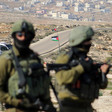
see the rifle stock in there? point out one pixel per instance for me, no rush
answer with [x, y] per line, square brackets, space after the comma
[57, 67]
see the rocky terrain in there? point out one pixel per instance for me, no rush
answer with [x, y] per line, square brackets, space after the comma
[101, 50]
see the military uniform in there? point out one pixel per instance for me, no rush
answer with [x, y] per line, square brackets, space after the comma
[78, 88]
[34, 93]
[7, 70]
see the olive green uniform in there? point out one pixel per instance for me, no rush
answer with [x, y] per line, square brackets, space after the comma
[79, 85]
[67, 79]
[7, 70]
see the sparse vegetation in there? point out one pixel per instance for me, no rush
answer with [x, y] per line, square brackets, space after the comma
[100, 49]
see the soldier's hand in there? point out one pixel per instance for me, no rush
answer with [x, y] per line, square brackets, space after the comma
[105, 68]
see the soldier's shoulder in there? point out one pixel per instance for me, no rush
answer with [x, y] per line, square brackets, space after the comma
[62, 58]
[5, 58]
[6, 55]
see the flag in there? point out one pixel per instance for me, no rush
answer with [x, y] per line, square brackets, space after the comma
[55, 38]
[54, 29]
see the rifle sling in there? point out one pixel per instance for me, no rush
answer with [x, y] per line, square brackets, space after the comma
[22, 80]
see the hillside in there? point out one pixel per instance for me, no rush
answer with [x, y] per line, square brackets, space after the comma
[101, 49]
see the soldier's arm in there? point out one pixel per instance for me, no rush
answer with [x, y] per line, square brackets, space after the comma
[70, 75]
[5, 67]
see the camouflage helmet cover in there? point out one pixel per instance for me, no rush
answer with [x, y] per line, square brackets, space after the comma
[80, 34]
[18, 27]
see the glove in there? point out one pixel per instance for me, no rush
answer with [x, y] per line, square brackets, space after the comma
[87, 64]
[49, 108]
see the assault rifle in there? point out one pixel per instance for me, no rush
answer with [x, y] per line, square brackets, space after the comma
[58, 67]
[53, 66]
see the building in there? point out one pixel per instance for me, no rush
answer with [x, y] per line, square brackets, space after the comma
[78, 9]
[65, 16]
[59, 4]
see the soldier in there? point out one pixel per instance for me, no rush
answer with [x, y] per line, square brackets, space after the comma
[79, 85]
[22, 87]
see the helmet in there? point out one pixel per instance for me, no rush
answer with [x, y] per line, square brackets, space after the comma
[80, 34]
[23, 25]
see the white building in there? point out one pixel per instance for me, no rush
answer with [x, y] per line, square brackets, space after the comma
[107, 10]
[87, 5]
[1, 6]
[101, 2]
[86, 9]
[59, 4]
[109, 1]
[16, 9]
[76, 4]
[30, 2]
[65, 16]
[78, 9]
[82, 1]
[53, 14]
[97, 6]
[70, 1]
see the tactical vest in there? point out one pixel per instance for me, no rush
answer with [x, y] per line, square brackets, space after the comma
[86, 87]
[36, 79]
